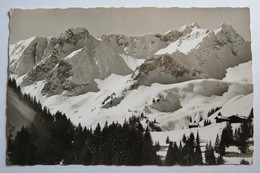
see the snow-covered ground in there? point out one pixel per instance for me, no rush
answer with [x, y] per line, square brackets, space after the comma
[16, 50]
[183, 100]
[207, 134]
[132, 62]
[240, 73]
[237, 160]
[186, 44]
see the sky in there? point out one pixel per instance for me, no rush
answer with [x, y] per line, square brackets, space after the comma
[25, 23]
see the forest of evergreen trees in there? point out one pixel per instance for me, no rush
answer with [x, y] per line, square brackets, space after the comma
[53, 139]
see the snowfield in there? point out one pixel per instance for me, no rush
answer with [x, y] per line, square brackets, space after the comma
[240, 73]
[186, 44]
[16, 50]
[177, 102]
[132, 62]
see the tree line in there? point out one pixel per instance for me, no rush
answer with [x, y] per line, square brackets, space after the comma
[53, 139]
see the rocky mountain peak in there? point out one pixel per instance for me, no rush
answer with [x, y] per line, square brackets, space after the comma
[90, 59]
[73, 35]
[227, 33]
[194, 25]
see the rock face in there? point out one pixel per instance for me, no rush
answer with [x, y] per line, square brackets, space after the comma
[26, 54]
[70, 63]
[197, 53]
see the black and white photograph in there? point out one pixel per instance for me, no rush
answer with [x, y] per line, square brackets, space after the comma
[130, 86]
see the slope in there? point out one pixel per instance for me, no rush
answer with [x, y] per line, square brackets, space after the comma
[68, 64]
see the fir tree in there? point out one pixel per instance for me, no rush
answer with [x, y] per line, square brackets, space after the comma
[198, 153]
[222, 144]
[157, 146]
[217, 144]
[229, 135]
[149, 155]
[209, 155]
[168, 140]
[184, 139]
[243, 138]
[190, 150]
[169, 155]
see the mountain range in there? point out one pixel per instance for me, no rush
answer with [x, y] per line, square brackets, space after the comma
[173, 78]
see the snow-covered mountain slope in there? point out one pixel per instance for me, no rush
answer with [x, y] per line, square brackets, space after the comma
[68, 64]
[240, 73]
[145, 46]
[171, 77]
[193, 36]
[199, 53]
[25, 54]
[132, 62]
[173, 107]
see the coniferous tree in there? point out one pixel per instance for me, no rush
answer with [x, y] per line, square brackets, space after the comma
[229, 135]
[188, 150]
[149, 155]
[173, 154]
[168, 140]
[184, 139]
[243, 136]
[176, 154]
[198, 153]
[157, 146]
[209, 155]
[217, 144]
[184, 151]
[227, 139]
[169, 155]
[237, 136]
[97, 145]
[245, 128]
[222, 144]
